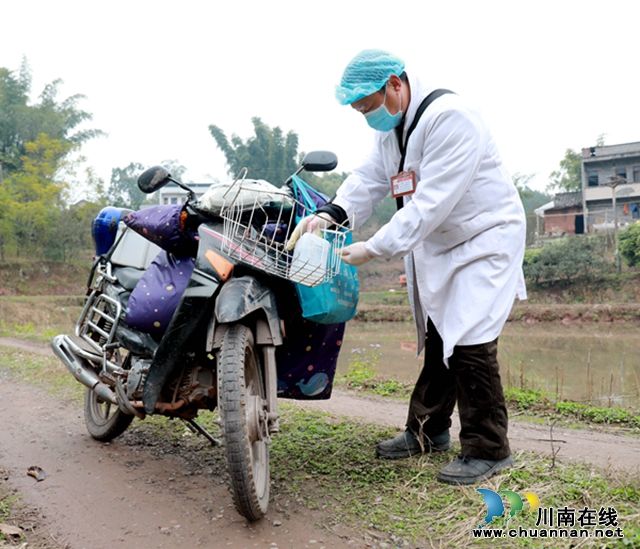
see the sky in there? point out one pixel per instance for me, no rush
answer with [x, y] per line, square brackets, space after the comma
[547, 76]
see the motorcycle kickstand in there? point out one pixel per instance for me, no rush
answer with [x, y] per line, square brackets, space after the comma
[200, 430]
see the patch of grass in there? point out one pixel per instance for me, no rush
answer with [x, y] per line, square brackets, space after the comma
[6, 502]
[38, 318]
[361, 375]
[544, 405]
[525, 399]
[46, 372]
[609, 416]
[397, 297]
[392, 387]
[362, 366]
[46, 278]
[27, 329]
[330, 462]
[7, 512]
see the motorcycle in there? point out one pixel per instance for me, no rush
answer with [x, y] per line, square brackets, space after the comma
[219, 348]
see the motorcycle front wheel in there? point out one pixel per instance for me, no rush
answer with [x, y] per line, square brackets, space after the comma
[242, 408]
[104, 421]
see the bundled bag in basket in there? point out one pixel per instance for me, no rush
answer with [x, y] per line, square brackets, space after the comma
[330, 302]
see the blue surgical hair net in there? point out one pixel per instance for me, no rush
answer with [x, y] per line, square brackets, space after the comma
[366, 73]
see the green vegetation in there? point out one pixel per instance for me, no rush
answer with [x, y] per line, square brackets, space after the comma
[567, 260]
[569, 177]
[361, 375]
[8, 505]
[384, 305]
[38, 318]
[22, 123]
[403, 499]
[593, 414]
[629, 244]
[36, 173]
[527, 403]
[269, 154]
[542, 405]
[44, 371]
[385, 298]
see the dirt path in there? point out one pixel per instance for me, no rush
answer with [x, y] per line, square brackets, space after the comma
[127, 494]
[131, 494]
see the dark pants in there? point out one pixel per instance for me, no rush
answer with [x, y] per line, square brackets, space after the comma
[473, 379]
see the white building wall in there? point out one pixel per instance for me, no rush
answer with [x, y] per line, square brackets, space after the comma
[172, 194]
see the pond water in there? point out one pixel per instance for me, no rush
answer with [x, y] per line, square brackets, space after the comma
[596, 363]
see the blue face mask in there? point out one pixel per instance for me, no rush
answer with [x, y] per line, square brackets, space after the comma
[381, 119]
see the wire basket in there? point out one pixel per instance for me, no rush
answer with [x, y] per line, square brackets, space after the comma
[256, 226]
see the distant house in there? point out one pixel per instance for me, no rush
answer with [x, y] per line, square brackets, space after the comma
[563, 215]
[172, 194]
[607, 170]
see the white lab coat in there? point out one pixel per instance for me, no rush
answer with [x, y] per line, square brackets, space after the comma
[463, 228]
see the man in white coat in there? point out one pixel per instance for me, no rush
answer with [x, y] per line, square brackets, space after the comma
[460, 227]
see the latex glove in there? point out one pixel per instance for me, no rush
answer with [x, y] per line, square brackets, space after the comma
[356, 254]
[309, 224]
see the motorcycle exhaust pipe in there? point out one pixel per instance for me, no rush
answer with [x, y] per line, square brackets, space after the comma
[80, 370]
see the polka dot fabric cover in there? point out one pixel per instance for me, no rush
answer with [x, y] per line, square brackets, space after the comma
[161, 225]
[308, 360]
[156, 296]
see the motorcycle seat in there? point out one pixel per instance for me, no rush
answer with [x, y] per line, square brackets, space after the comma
[128, 276]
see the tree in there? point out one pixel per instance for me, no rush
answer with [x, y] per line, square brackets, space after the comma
[521, 182]
[21, 122]
[569, 177]
[176, 169]
[269, 154]
[7, 235]
[70, 234]
[326, 183]
[32, 197]
[123, 191]
[530, 198]
[629, 244]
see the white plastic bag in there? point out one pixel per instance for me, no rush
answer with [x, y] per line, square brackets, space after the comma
[246, 194]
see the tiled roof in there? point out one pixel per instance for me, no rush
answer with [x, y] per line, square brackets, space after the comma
[567, 200]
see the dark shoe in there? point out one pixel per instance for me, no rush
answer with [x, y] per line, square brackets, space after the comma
[407, 444]
[468, 470]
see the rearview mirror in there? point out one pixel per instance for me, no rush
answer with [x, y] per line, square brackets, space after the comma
[319, 161]
[153, 179]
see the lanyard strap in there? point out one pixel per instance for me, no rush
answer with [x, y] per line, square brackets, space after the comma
[403, 145]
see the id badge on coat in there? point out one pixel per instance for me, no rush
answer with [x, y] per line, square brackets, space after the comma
[402, 184]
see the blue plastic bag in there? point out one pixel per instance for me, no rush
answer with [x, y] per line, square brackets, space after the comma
[334, 301]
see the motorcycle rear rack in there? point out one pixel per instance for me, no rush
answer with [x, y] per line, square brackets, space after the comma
[98, 319]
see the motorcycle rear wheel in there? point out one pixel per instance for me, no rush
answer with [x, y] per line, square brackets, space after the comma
[242, 408]
[104, 421]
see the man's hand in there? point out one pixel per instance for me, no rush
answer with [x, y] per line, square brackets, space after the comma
[309, 224]
[356, 254]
